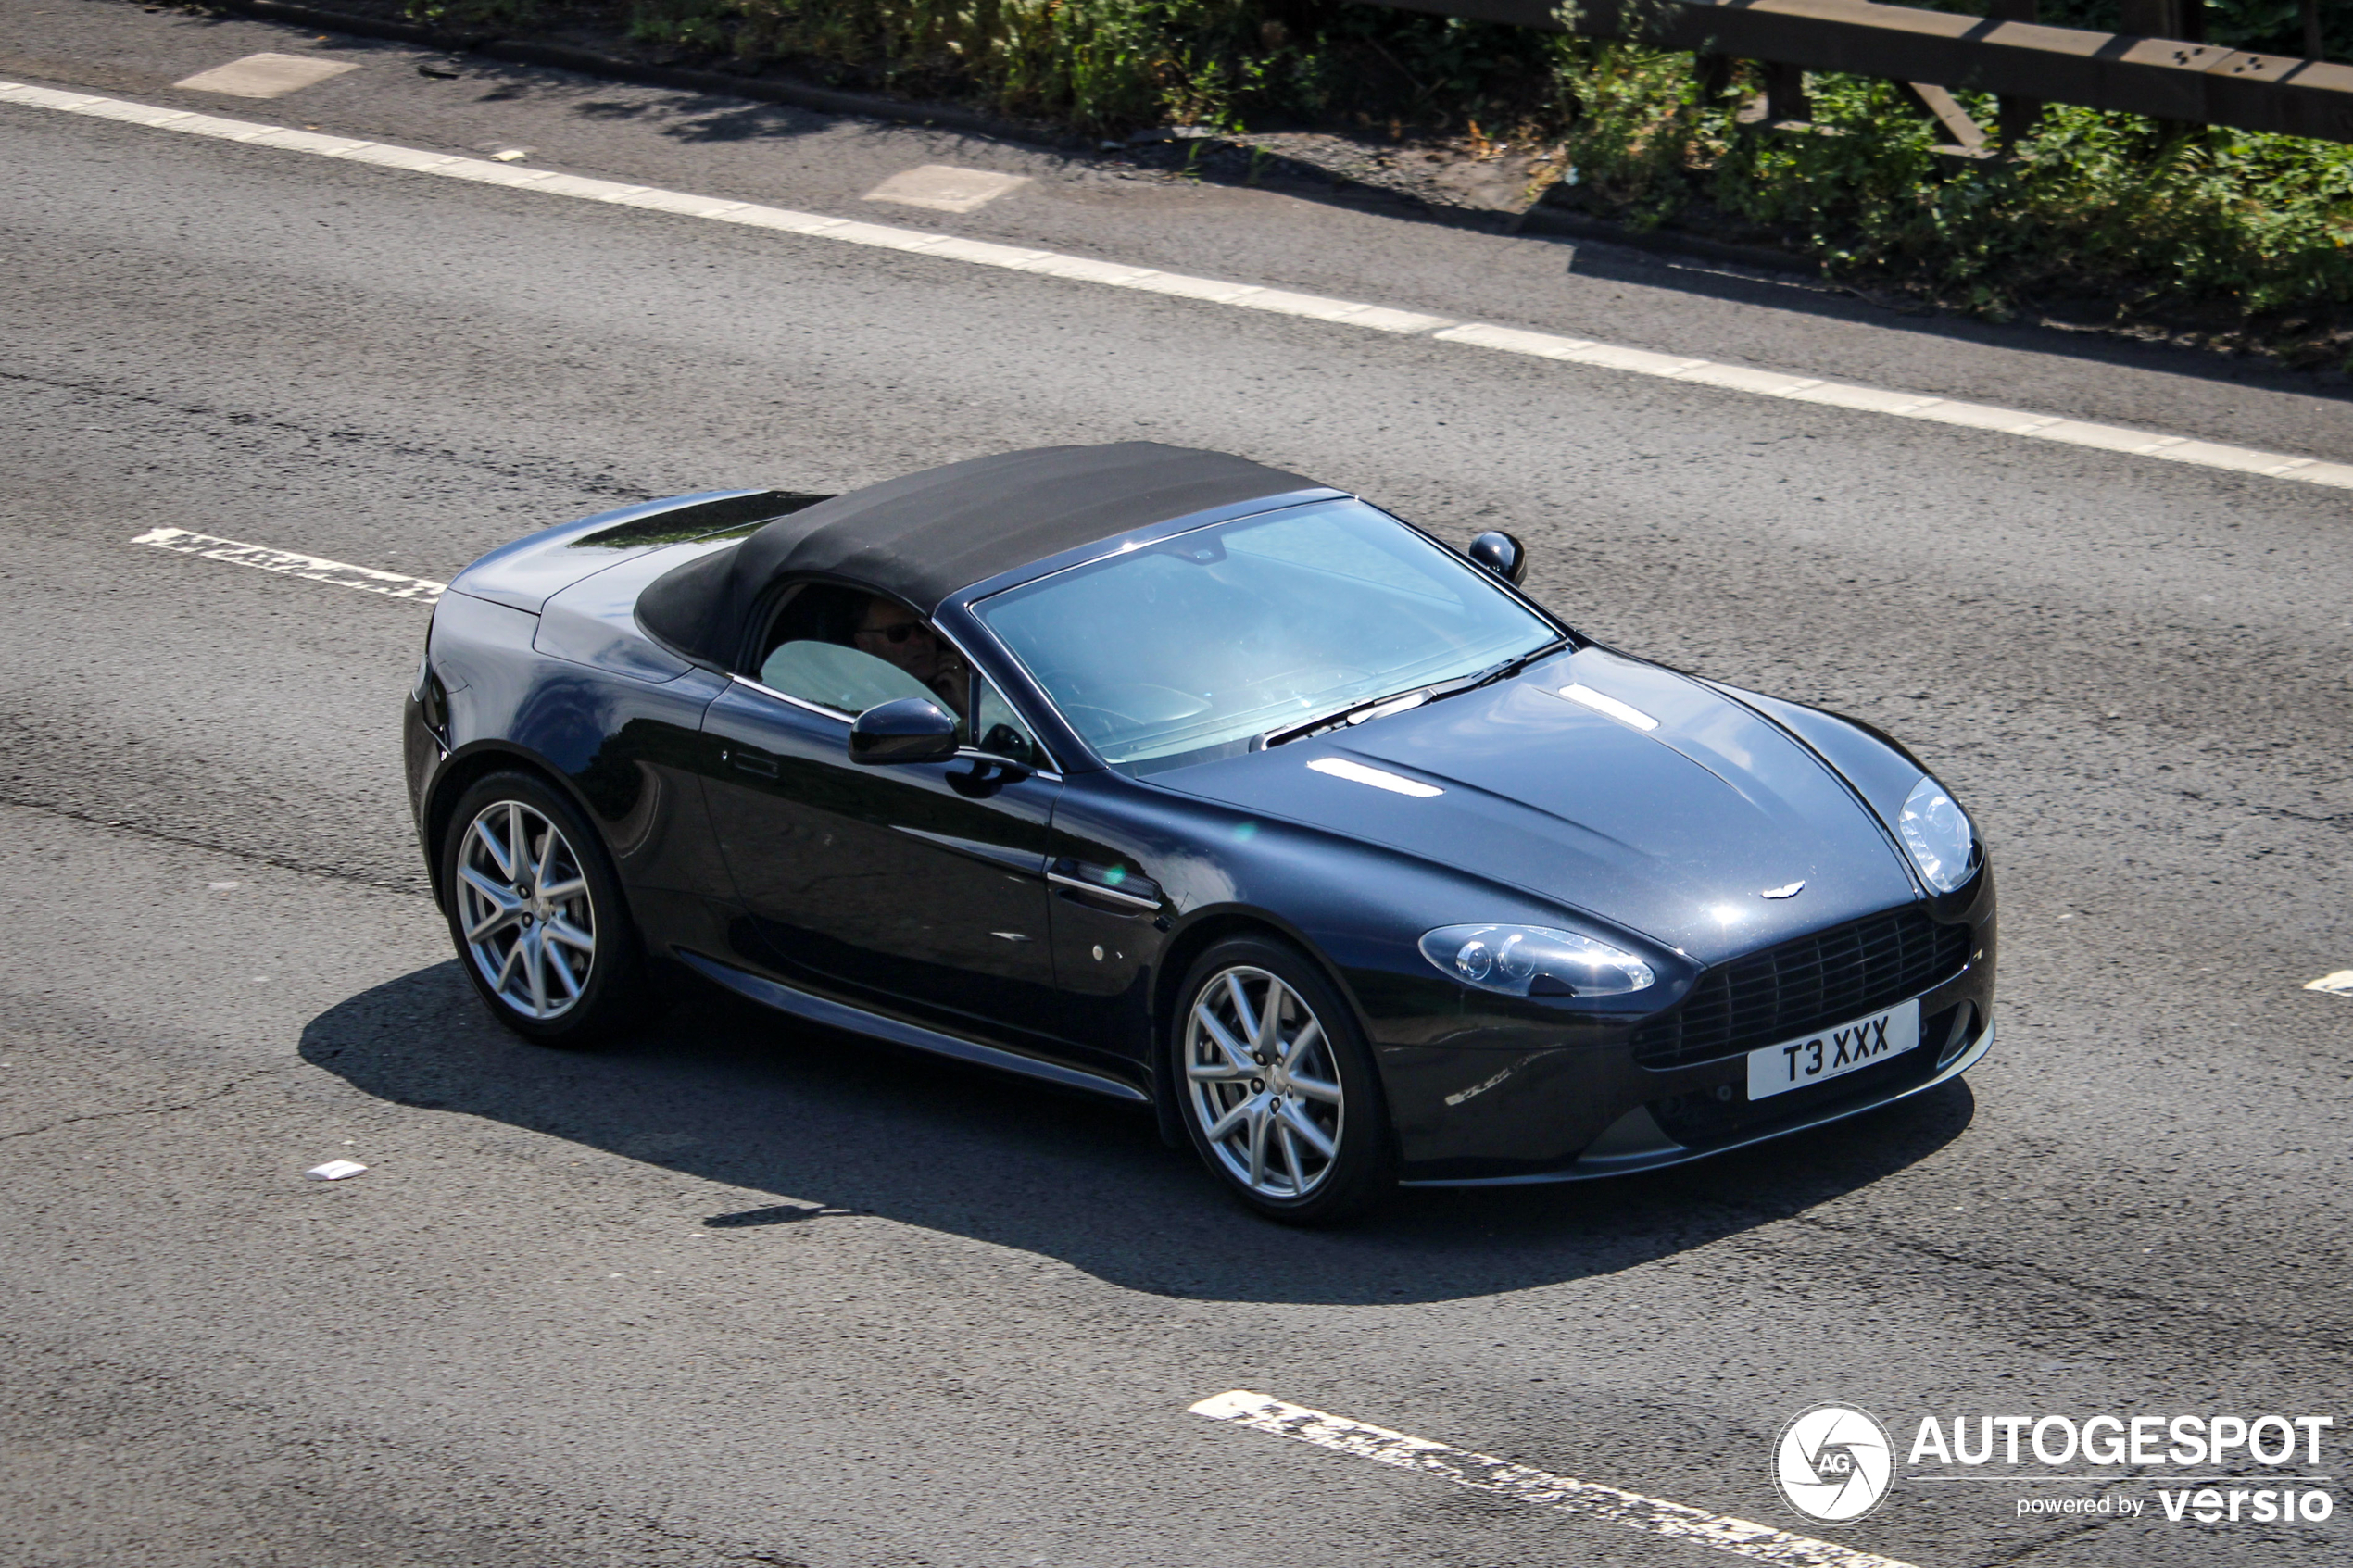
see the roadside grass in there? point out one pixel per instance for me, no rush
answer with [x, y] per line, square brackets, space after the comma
[2233, 238]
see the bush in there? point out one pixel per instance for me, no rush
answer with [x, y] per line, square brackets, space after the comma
[2095, 200]
[1112, 65]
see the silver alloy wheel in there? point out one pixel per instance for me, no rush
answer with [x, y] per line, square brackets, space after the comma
[1263, 1081]
[524, 904]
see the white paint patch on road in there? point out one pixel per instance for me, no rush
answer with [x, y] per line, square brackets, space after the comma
[2338, 984]
[265, 76]
[1520, 1483]
[945, 188]
[316, 569]
[1742, 379]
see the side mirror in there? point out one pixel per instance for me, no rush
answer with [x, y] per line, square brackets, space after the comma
[1501, 554]
[909, 730]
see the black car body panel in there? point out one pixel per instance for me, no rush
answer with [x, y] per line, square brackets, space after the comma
[522, 574]
[1675, 830]
[1039, 918]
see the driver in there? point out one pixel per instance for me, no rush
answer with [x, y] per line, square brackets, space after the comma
[896, 634]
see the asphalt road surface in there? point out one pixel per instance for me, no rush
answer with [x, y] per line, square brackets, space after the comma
[745, 1293]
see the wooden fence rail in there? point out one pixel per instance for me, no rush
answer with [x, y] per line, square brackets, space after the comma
[2167, 79]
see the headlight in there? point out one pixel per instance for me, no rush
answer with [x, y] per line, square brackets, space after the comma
[1938, 834]
[1534, 960]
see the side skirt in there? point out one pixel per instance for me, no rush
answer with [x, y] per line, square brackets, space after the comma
[858, 1020]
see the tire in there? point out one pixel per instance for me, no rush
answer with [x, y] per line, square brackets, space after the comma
[1293, 1122]
[589, 981]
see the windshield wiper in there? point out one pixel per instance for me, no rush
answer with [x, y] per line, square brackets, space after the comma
[1495, 673]
[1354, 713]
[1413, 696]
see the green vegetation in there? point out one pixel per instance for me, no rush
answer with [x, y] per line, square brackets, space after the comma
[1114, 65]
[2231, 228]
[2249, 226]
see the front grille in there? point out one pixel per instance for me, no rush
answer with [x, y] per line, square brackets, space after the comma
[1698, 1118]
[1829, 977]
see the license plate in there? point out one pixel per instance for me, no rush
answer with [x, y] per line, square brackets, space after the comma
[1830, 1053]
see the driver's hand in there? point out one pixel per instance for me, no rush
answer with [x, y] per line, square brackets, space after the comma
[953, 679]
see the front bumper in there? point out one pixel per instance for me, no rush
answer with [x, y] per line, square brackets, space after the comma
[1526, 1097]
[1637, 1142]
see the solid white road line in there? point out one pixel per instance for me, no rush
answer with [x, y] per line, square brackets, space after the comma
[1354, 313]
[1520, 1483]
[367, 579]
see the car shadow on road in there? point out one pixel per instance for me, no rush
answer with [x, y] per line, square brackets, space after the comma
[833, 1125]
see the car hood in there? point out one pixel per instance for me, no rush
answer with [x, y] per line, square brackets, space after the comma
[1677, 831]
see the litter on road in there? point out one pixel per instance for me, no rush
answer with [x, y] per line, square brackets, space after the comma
[335, 1170]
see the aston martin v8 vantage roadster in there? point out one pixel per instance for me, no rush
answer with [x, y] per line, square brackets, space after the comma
[1162, 775]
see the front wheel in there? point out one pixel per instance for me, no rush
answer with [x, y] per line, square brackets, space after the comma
[1277, 1086]
[537, 915]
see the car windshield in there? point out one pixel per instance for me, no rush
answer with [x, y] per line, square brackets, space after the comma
[1190, 648]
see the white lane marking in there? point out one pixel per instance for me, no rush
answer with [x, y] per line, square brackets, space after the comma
[367, 579]
[1356, 773]
[1601, 702]
[944, 187]
[1521, 1483]
[2340, 984]
[265, 76]
[1346, 312]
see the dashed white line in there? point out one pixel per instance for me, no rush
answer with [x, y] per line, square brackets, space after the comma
[1520, 1483]
[291, 563]
[1344, 312]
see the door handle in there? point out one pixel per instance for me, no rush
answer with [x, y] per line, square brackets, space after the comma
[750, 761]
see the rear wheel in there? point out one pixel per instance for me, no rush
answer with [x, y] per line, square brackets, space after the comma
[1277, 1085]
[537, 915]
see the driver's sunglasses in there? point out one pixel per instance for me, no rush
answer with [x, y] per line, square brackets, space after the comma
[898, 634]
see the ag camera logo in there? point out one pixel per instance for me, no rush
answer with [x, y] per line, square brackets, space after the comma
[1833, 1462]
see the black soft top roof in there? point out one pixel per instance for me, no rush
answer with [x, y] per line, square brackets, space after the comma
[922, 538]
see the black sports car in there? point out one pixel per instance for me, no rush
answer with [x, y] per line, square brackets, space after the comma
[1164, 775]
